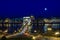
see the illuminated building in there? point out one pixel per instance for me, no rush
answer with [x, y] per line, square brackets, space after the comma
[1, 25]
[30, 25]
[17, 24]
[34, 26]
[56, 24]
[1, 22]
[40, 25]
[7, 22]
[28, 21]
[47, 25]
[51, 26]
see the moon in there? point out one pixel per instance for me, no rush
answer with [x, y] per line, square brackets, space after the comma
[45, 9]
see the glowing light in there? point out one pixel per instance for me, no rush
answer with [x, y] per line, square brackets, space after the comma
[24, 24]
[49, 28]
[33, 37]
[35, 31]
[46, 20]
[6, 20]
[57, 33]
[26, 17]
[32, 16]
[15, 31]
[45, 9]
[5, 31]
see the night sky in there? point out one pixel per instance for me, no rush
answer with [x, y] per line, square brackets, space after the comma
[16, 8]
